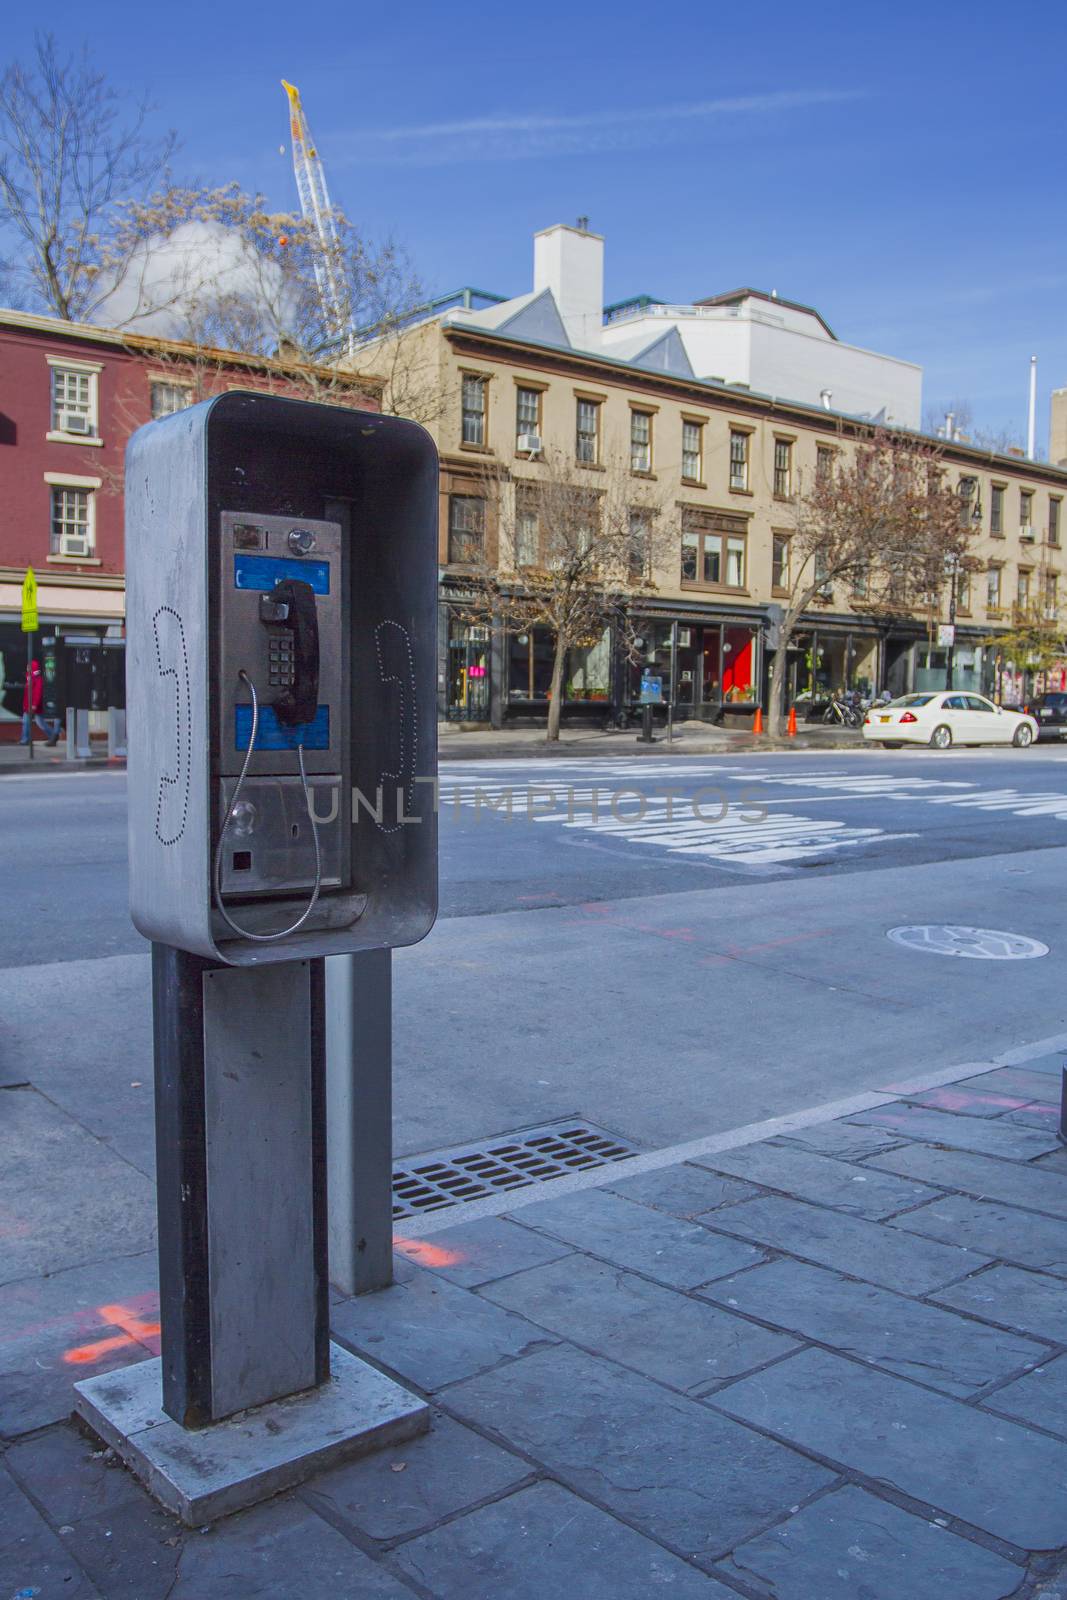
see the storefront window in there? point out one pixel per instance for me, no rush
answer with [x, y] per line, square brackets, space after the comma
[589, 670]
[738, 665]
[530, 658]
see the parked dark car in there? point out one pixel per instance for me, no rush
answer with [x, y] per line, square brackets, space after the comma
[1050, 713]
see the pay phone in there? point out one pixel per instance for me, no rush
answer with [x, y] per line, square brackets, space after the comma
[280, 731]
[281, 619]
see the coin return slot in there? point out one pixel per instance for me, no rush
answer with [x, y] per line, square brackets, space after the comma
[242, 861]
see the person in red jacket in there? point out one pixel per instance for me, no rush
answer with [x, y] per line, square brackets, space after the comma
[32, 698]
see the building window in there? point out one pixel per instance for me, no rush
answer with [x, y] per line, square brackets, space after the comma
[861, 582]
[72, 522]
[640, 545]
[824, 463]
[713, 549]
[693, 452]
[473, 410]
[992, 595]
[466, 528]
[821, 574]
[779, 561]
[1026, 514]
[996, 509]
[169, 397]
[738, 459]
[1052, 595]
[1022, 588]
[963, 591]
[528, 417]
[1054, 520]
[74, 402]
[640, 441]
[783, 468]
[587, 443]
[970, 505]
[527, 539]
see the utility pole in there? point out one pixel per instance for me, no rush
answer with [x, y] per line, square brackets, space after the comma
[950, 658]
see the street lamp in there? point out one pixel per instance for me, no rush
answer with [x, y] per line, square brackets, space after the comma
[953, 564]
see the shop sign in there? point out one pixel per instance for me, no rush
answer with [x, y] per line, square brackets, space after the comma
[946, 633]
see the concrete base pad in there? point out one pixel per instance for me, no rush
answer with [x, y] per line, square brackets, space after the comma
[206, 1473]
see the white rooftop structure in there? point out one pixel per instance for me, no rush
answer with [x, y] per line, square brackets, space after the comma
[746, 339]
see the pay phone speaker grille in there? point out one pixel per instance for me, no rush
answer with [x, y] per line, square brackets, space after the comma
[514, 1161]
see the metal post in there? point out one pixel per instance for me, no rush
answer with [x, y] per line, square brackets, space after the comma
[241, 1192]
[674, 681]
[29, 680]
[950, 658]
[359, 1100]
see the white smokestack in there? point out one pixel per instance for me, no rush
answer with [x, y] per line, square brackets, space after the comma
[1031, 422]
[570, 262]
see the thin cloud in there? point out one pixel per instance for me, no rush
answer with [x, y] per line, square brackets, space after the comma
[434, 143]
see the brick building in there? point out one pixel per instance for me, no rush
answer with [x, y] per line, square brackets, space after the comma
[70, 396]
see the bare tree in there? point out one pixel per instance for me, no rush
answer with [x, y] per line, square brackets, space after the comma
[885, 522]
[1037, 637]
[570, 555]
[1001, 441]
[67, 156]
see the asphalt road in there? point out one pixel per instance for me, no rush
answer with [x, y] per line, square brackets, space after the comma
[666, 965]
[518, 835]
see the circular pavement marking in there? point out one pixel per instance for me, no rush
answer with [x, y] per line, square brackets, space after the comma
[977, 944]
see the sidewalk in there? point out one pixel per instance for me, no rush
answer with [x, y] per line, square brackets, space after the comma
[690, 738]
[15, 758]
[817, 1359]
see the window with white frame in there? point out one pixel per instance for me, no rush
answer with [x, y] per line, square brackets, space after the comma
[780, 561]
[693, 452]
[169, 397]
[992, 592]
[640, 441]
[735, 563]
[587, 440]
[527, 415]
[466, 528]
[473, 410]
[527, 538]
[1026, 513]
[639, 552]
[72, 531]
[963, 591]
[1022, 588]
[783, 468]
[738, 459]
[74, 402]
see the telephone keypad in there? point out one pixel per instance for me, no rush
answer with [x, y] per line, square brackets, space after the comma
[281, 661]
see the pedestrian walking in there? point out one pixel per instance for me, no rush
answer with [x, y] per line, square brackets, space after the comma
[32, 700]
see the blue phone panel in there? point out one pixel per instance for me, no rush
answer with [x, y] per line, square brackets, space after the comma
[263, 572]
[274, 735]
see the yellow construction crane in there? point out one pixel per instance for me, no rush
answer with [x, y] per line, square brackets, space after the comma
[317, 210]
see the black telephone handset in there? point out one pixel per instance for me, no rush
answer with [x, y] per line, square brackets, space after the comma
[291, 605]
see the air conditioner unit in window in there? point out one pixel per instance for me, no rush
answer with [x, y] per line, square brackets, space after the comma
[530, 442]
[478, 635]
[72, 545]
[74, 422]
[1026, 532]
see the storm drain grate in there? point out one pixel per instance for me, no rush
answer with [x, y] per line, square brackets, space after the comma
[536, 1155]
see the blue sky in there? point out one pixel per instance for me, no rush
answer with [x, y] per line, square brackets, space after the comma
[902, 168]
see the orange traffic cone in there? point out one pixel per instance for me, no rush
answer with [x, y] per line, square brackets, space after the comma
[791, 730]
[757, 721]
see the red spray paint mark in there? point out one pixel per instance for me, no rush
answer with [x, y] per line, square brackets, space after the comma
[135, 1328]
[428, 1255]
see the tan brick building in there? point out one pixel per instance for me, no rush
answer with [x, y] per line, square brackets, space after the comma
[504, 381]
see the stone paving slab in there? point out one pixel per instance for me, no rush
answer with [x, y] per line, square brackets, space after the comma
[70, 1477]
[1038, 1114]
[1040, 1397]
[666, 1335]
[677, 1470]
[473, 1253]
[993, 1230]
[843, 1139]
[431, 1331]
[58, 1329]
[980, 1176]
[408, 1488]
[1054, 1062]
[33, 1558]
[1018, 1082]
[869, 1250]
[822, 1179]
[677, 1253]
[1014, 1298]
[992, 1474]
[998, 1138]
[682, 1191]
[969, 1102]
[545, 1541]
[902, 1336]
[850, 1546]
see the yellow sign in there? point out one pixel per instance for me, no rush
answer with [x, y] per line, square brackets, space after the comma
[29, 602]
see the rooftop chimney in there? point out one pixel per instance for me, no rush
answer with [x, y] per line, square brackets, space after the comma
[570, 262]
[826, 396]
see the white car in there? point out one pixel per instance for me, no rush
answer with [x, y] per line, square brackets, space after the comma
[942, 720]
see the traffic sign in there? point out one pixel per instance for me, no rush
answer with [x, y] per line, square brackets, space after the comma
[29, 602]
